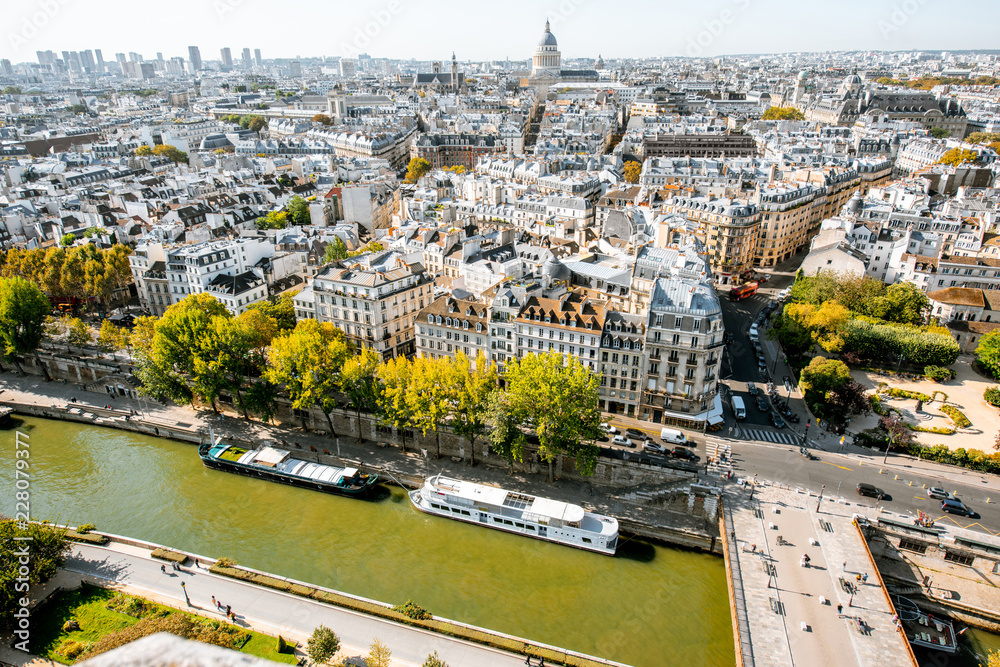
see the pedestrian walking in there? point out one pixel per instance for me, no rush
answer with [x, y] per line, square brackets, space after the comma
[163, 569]
[229, 610]
[840, 609]
[215, 602]
[843, 568]
[864, 579]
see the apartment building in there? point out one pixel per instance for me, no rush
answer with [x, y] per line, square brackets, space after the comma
[455, 149]
[684, 343]
[622, 359]
[374, 299]
[569, 324]
[447, 326]
[790, 216]
[730, 228]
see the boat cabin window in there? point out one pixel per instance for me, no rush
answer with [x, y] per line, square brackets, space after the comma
[586, 540]
[573, 524]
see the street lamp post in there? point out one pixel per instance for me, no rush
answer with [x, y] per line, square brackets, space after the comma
[888, 444]
[187, 600]
[820, 500]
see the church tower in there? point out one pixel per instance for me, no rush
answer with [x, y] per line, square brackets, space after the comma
[455, 84]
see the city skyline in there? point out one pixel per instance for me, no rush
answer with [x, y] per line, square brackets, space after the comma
[432, 31]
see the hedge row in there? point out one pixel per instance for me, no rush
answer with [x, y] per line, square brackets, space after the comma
[957, 416]
[168, 555]
[442, 627]
[973, 459]
[879, 341]
[88, 538]
[906, 393]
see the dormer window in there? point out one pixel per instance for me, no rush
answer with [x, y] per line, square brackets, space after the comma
[548, 319]
[439, 319]
[430, 319]
[448, 322]
[465, 324]
[479, 326]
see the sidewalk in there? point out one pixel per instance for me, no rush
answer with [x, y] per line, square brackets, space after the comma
[792, 610]
[262, 609]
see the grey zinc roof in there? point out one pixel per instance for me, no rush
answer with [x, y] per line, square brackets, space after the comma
[685, 294]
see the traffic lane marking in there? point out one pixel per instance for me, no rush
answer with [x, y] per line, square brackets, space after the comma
[838, 466]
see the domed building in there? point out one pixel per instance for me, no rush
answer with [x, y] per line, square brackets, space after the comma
[547, 60]
[546, 65]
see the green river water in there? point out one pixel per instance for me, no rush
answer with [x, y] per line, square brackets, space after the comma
[648, 606]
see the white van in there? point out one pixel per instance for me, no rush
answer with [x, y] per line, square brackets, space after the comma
[739, 409]
[673, 436]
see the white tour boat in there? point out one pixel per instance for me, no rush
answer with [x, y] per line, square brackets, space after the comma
[541, 518]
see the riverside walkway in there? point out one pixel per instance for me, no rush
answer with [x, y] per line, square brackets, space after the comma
[130, 568]
[791, 611]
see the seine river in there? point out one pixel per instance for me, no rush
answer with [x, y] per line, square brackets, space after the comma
[648, 606]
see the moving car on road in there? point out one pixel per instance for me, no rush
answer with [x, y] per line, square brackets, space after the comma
[654, 448]
[636, 434]
[623, 441]
[955, 506]
[762, 404]
[608, 428]
[777, 421]
[752, 389]
[870, 491]
[682, 453]
[940, 494]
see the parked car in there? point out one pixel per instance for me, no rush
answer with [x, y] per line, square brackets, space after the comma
[752, 388]
[790, 416]
[730, 337]
[940, 494]
[762, 365]
[623, 441]
[870, 490]
[654, 448]
[681, 453]
[955, 506]
[608, 428]
[636, 434]
[777, 421]
[762, 404]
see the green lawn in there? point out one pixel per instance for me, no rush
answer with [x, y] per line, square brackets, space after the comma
[88, 606]
[232, 454]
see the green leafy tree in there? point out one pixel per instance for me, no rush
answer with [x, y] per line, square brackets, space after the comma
[559, 397]
[359, 381]
[846, 400]
[23, 309]
[253, 122]
[279, 308]
[782, 113]
[143, 151]
[632, 171]
[273, 220]
[336, 250]
[52, 271]
[988, 352]
[431, 395]
[939, 132]
[67, 240]
[234, 352]
[903, 303]
[379, 654]
[956, 157]
[308, 361]
[72, 279]
[176, 359]
[434, 661]
[475, 384]
[110, 337]
[298, 210]
[322, 118]
[795, 339]
[117, 271]
[171, 153]
[507, 440]
[47, 549]
[394, 409]
[417, 169]
[12, 90]
[322, 645]
[822, 376]
[983, 137]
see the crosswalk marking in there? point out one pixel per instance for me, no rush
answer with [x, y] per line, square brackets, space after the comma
[770, 436]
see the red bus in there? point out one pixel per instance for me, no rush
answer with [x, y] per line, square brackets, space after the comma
[743, 291]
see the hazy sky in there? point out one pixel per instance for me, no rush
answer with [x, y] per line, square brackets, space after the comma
[432, 29]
